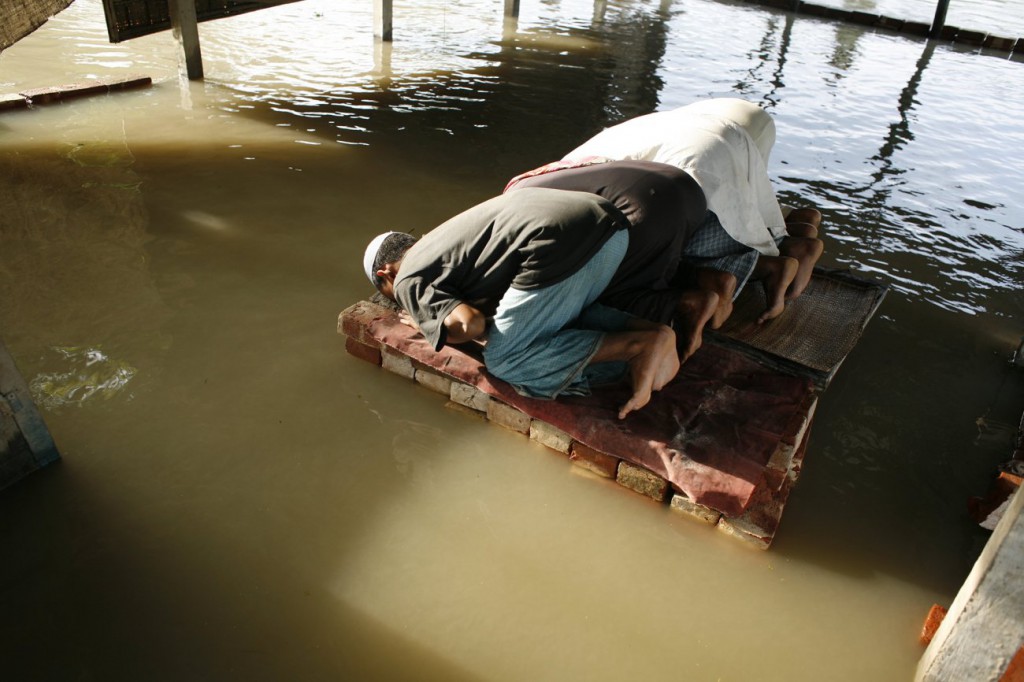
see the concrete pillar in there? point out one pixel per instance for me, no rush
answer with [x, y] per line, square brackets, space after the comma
[984, 627]
[25, 442]
[185, 27]
[382, 19]
[512, 8]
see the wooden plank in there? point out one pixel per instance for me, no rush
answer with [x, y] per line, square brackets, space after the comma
[983, 628]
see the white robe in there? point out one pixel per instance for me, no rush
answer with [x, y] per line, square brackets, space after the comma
[712, 141]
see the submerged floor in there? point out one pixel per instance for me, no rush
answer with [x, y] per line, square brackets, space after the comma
[241, 499]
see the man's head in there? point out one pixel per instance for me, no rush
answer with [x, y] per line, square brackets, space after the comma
[382, 258]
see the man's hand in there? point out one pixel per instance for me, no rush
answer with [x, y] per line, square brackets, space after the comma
[407, 320]
[465, 323]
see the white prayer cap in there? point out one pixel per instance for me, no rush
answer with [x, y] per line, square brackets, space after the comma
[371, 253]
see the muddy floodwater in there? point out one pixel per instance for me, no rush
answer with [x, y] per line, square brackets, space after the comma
[240, 500]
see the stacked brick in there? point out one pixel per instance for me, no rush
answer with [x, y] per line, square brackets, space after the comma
[756, 525]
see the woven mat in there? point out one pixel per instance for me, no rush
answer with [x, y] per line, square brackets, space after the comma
[817, 330]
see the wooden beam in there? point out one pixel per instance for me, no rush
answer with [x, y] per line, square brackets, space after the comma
[382, 19]
[983, 629]
[25, 442]
[185, 28]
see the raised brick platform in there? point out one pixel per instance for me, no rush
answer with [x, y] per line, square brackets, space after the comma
[723, 443]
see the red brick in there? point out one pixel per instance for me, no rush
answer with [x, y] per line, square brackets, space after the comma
[396, 362]
[642, 481]
[355, 320]
[931, 623]
[508, 416]
[1015, 671]
[432, 380]
[551, 436]
[470, 396]
[758, 525]
[682, 503]
[363, 351]
[593, 460]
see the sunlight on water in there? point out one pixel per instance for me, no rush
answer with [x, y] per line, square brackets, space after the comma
[85, 373]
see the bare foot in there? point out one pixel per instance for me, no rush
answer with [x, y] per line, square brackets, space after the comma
[806, 252]
[694, 311]
[651, 368]
[776, 274]
[724, 285]
[803, 222]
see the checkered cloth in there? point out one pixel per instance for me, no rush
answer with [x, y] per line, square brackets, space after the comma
[712, 247]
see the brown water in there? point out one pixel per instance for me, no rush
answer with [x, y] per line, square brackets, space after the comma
[239, 499]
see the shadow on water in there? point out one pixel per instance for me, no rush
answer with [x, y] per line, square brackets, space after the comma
[83, 579]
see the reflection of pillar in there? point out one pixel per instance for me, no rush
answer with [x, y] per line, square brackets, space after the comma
[784, 40]
[382, 18]
[600, 7]
[382, 58]
[509, 27]
[185, 28]
[775, 80]
[899, 132]
[511, 8]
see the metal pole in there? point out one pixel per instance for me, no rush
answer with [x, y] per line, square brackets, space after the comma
[940, 19]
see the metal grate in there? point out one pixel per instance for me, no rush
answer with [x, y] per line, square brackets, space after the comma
[128, 19]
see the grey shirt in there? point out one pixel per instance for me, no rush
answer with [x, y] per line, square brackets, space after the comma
[664, 205]
[527, 239]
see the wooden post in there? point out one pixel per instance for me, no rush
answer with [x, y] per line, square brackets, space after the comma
[983, 629]
[940, 19]
[25, 442]
[512, 8]
[382, 15]
[185, 28]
